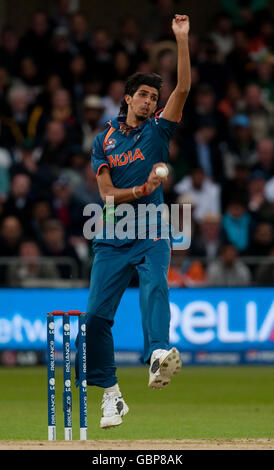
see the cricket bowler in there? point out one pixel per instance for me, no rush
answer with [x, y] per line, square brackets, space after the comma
[125, 157]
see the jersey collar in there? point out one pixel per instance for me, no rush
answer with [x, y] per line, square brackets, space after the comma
[120, 120]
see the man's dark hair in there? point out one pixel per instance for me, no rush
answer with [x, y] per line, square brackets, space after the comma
[135, 81]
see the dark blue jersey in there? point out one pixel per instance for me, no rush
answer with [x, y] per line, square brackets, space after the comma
[131, 156]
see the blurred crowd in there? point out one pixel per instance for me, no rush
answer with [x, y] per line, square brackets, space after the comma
[61, 80]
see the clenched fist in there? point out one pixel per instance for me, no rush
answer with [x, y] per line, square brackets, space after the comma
[180, 25]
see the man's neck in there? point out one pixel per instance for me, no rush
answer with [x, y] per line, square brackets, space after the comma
[133, 121]
[129, 125]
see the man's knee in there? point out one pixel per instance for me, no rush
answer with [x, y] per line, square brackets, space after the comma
[96, 323]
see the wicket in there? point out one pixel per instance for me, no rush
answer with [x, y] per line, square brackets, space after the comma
[67, 395]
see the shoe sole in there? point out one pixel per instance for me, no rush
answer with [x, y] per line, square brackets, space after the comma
[169, 366]
[113, 421]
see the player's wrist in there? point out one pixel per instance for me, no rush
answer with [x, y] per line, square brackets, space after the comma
[145, 189]
[139, 191]
[181, 37]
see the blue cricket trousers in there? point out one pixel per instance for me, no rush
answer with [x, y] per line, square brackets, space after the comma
[111, 273]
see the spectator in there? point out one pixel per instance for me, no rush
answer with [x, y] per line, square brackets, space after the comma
[29, 75]
[236, 187]
[205, 108]
[213, 69]
[112, 101]
[36, 40]
[264, 275]
[129, 39]
[77, 78]
[10, 236]
[29, 267]
[238, 61]
[55, 149]
[28, 164]
[202, 149]
[53, 83]
[22, 120]
[41, 213]
[74, 171]
[62, 111]
[121, 65]
[265, 158]
[262, 240]
[241, 145]
[256, 197]
[19, 202]
[232, 100]
[60, 53]
[61, 13]
[101, 65]
[261, 43]
[55, 245]
[237, 224]
[260, 114]
[9, 50]
[222, 33]
[204, 193]
[265, 80]
[180, 165]
[227, 270]
[163, 58]
[11, 232]
[80, 35]
[87, 192]
[208, 240]
[92, 117]
[66, 207]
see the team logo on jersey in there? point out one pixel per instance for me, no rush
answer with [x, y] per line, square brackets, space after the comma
[125, 158]
[110, 144]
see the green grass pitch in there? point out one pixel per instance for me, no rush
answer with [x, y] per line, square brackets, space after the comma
[201, 402]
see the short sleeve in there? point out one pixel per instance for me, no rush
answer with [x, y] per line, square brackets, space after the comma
[98, 158]
[164, 127]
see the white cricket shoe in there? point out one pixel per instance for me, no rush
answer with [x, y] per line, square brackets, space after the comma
[163, 365]
[114, 407]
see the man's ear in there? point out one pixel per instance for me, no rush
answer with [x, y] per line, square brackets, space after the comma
[128, 99]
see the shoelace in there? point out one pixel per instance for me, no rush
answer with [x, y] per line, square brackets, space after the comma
[109, 403]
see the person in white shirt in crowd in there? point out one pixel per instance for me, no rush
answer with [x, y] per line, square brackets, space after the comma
[205, 194]
[222, 33]
[112, 101]
[93, 109]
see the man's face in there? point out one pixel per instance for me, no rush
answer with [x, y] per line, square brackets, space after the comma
[143, 103]
[229, 255]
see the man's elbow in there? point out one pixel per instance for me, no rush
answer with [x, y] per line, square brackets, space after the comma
[182, 91]
[106, 194]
